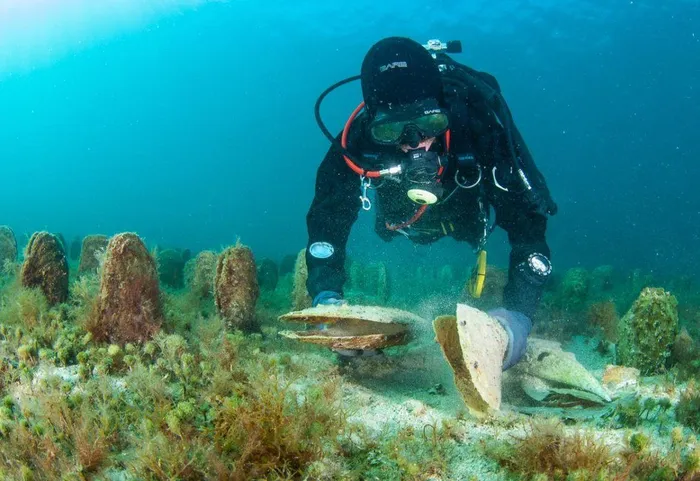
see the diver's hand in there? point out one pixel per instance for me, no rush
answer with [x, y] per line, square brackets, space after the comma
[518, 326]
[328, 298]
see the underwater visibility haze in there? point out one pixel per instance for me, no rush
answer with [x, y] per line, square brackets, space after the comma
[200, 115]
[159, 159]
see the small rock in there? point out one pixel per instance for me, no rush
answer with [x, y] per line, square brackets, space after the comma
[620, 379]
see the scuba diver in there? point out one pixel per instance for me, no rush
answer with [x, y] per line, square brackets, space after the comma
[436, 141]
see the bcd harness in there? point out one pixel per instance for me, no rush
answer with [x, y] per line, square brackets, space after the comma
[468, 89]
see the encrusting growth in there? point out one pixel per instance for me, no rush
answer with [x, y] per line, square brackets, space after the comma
[45, 267]
[200, 273]
[648, 330]
[129, 308]
[236, 288]
[300, 296]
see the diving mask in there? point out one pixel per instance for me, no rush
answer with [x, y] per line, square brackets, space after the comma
[423, 119]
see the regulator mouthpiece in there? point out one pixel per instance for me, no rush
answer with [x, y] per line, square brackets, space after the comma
[423, 195]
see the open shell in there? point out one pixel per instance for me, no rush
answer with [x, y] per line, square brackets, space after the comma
[474, 344]
[558, 372]
[353, 326]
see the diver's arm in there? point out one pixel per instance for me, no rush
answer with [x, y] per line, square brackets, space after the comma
[522, 212]
[526, 274]
[333, 211]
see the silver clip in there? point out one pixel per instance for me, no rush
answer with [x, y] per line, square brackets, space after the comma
[495, 181]
[364, 184]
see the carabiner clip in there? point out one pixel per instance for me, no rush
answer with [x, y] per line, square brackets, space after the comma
[364, 184]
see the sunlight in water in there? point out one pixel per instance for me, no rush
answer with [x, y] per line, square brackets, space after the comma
[38, 32]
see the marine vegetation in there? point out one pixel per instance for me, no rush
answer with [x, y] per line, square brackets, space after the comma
[197, 402]
[547, 450]
[688, 409]
[124, 379]
[603, 316]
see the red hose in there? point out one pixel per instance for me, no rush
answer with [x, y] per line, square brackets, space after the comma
[410, 221]
[344, 142]
[372, 174]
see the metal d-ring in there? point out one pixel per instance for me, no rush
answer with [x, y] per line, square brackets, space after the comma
[464, 186]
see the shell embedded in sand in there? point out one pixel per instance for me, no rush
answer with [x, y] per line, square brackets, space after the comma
[236, 288]
[45, 267]
[92, 248]
[353, 327]
[129, 306]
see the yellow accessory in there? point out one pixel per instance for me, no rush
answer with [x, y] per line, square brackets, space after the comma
[478, 277]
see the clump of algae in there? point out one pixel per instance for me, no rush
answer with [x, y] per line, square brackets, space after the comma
[550, 451]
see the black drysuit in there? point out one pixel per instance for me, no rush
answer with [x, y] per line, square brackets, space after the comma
[477, 131]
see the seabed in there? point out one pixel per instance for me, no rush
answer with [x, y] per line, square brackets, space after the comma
[202, 399]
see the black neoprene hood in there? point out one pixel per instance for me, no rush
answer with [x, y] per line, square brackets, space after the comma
[398, 71]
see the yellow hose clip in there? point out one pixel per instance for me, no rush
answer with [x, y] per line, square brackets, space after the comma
[478, 277]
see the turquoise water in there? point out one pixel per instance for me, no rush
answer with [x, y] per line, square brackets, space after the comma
[192, 124]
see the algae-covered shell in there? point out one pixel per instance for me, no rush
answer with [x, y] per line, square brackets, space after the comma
[647, 331]
[353, 326]
[8, 245]
[92, 248]
[300, 295]
[236, 288]
[45, 267]
[171, 266]
[129, 300]
[200, 273]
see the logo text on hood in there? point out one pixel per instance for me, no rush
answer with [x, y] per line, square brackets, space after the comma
[393, 65]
